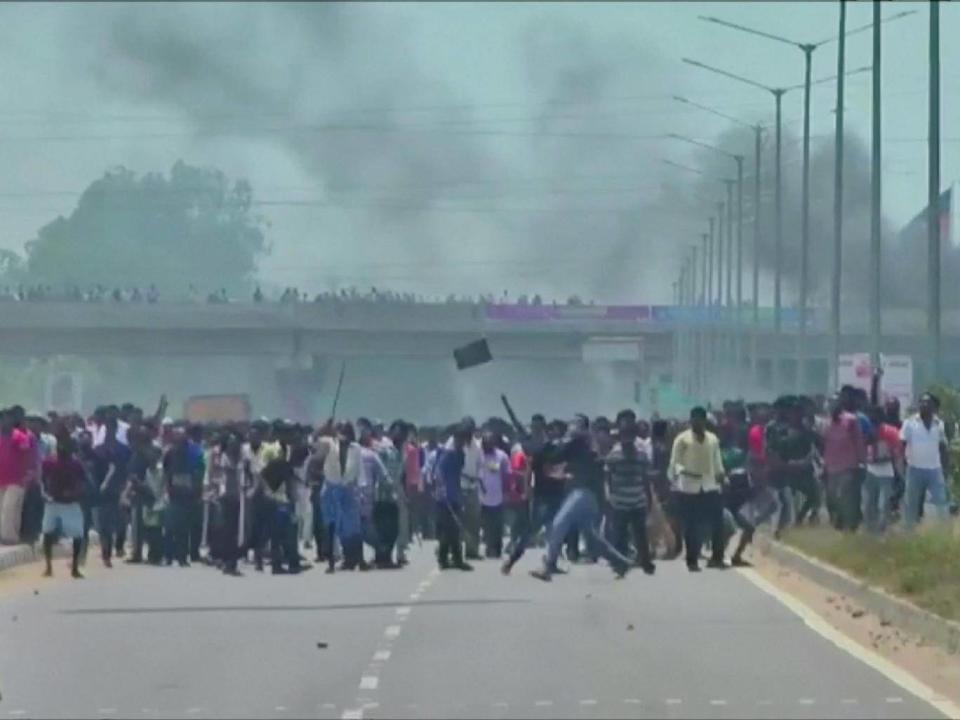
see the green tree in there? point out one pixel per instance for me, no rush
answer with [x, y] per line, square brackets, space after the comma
[192, 227]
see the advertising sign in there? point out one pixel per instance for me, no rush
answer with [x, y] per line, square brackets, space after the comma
[855, 369]
[897, 380]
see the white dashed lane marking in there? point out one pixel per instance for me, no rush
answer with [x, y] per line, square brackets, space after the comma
[543, 703]
[674, 701]
[718, 703]
[894, 700]
[17, 713]
[586, 703]
[355, 714]
[631, 701]
[381, 655]
[369, 682]
[392, 631]
[806, 701]
[402, 611]
[849, 701]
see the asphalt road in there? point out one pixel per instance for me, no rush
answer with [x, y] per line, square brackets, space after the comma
[168, 642]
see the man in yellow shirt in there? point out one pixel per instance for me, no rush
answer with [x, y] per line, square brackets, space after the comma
[696, 468]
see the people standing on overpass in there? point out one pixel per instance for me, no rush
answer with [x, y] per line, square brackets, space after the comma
[925, 444]
[697, 467]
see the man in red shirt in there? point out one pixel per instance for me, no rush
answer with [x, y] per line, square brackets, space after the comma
[63, 480]
[884, 462]
[17, 468]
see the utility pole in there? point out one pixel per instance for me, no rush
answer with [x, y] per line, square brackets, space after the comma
[804, 222]
[875, 196]
[754, 365]
[704, 318]
[933, 197]
[720, 254]
[696, 321]
[738, 320]
[778, 248]
[838, 207]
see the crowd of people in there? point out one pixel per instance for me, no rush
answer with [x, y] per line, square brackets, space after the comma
[134, 295]
[629, 491]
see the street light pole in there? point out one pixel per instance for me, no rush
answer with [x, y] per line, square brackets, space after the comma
[838, 206]
[778, 247]
[875, 195]
[720, 254]
[729, 184]
[710, 274]
[933, 196]
[807, 49]
[754, 365]
[804, 221]
[695, 321]
[738, 321]
[704, 314]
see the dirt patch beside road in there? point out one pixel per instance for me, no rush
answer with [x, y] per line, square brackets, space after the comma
[930, 664]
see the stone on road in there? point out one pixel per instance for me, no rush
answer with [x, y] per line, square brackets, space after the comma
[170, 642]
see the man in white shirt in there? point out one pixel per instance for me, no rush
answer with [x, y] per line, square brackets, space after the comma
[494, 475]
[925, 444]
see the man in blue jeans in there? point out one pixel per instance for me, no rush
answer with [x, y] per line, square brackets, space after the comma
[581, 509]
[925, 444]
[548, 484]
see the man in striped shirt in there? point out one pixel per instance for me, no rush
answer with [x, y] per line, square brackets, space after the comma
[628, 491]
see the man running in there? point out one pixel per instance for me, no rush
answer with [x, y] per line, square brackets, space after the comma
[580, 509]
[63, 481]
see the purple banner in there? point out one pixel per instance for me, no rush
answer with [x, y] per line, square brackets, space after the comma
[540, 313]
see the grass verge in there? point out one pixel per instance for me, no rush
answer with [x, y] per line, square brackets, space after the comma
[923, 567]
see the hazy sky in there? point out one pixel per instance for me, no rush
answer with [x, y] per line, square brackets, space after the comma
[438, 147]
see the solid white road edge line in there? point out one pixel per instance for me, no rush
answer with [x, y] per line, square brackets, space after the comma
[883, 666]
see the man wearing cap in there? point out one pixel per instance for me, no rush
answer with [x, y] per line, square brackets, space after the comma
[697, 468]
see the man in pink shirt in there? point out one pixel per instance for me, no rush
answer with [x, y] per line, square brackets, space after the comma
[844, 454]
[16, 461]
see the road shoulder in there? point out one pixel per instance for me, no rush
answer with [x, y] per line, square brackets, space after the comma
[931, 665]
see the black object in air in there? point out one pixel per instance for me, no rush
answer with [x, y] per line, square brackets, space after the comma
[473, 354]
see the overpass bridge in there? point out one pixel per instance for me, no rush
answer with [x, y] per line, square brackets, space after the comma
[292, 350]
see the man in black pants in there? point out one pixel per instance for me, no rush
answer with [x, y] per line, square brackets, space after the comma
[697, 466]
[449, 505]
[628, 491]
